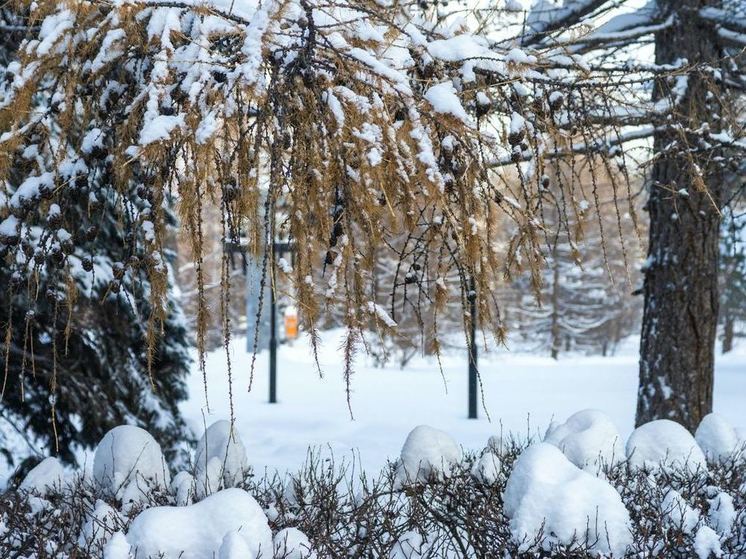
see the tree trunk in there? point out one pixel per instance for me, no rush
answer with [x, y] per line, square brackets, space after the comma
[728, 332]
[681, 291]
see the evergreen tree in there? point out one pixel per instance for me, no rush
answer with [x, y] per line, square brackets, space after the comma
[78, 355]
[586, 302]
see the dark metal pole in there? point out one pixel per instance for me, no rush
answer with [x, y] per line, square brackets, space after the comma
[272, 344]
[278, 248]
[473, 352]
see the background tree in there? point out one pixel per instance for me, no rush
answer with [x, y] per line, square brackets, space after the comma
[690, 123]
[732, 278]
[586, 302]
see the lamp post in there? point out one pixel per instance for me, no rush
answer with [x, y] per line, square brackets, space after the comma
[472, 296]
[278, 248]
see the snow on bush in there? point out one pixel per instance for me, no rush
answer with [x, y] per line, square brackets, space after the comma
[45, 476]
[707, 543]
[517, 498]
[716, 437]
[427, 452]
[487, 468]
[100, 525]
[183, 488]
[722, 514]
[291, 543]
[221, 459]
[547, 494]
[234, 546]
[664, 443]
[678, 514]
[198, 531]
[587, 437]
[129, 463]
[117, 547]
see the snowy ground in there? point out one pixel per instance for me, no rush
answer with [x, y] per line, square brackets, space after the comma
[521, 393]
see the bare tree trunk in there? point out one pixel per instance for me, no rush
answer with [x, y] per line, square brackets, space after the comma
[681, 290]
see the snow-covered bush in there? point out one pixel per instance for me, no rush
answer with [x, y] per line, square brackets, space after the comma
[129, 463]
[487, 468]
[45, 476]
[664, 443]
[547, 494]
[427, 451]
[716, 437]
[291, 543]
[221, 459]
[203, 529]
[522, 499]
[587, 437]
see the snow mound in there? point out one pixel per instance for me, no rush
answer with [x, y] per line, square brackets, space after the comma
[587, 438]
[221, 459]
[45, 476]
[426, 452]
[117, 547]
[664, 442]
[291, 543]
[707, 543]
[100, 525]
[546, 493]
[234, 547]
[182, 487]
[716, 437]
[722, 514]
[677, 513]
[199, 531]
[129, 463]
[487, 469]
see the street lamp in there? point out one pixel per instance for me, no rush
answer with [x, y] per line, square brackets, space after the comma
[472, 297]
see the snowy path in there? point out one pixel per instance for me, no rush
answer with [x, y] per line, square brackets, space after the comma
[388, 403]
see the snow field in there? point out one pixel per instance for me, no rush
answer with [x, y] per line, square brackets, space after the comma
[523, 394]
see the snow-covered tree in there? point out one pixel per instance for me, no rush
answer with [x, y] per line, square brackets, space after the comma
[693, 123]
[586, 300]
[78, 357]
[370, 121]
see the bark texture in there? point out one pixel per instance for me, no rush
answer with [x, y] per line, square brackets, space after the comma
[681, 279]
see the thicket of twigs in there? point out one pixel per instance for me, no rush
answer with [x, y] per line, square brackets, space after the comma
[346, 514]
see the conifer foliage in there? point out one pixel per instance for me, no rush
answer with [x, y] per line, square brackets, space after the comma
[76, 300]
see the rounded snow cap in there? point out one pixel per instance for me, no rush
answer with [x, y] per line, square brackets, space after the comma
[547, 495]
[128, 463]
[587, 437]
[487, 469]
[46, 475]
[291, 543]
[663, 443]
[717, 438]
[229, 523]
[427, 451]
[221, 459]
